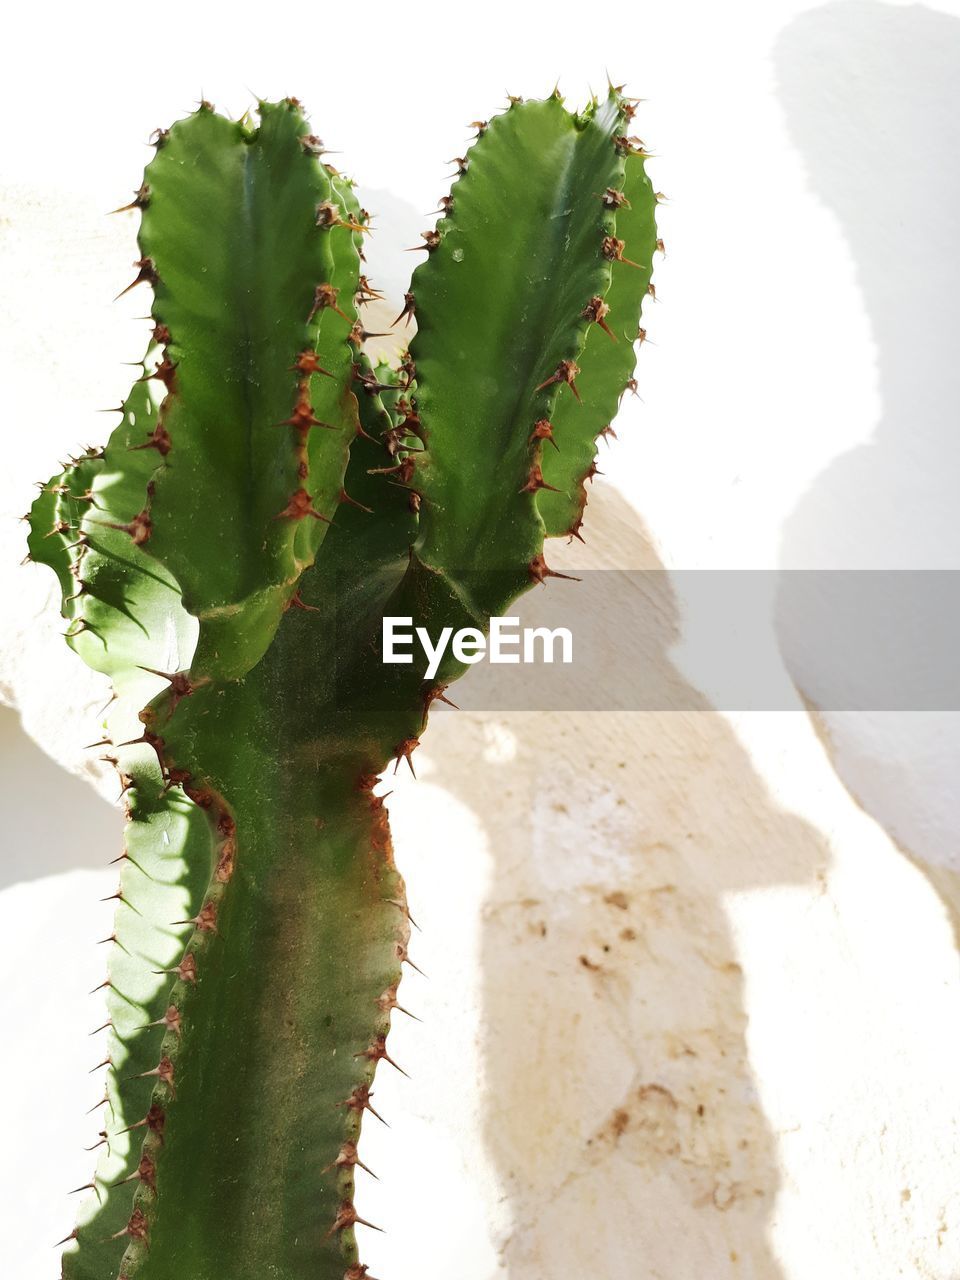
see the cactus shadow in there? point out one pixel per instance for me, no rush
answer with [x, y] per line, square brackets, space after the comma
[621, 1113]
[885, 79]
[53, 821]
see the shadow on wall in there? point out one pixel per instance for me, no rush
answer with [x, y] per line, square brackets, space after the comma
[621, 1110]
[52, 821]
[886, 80]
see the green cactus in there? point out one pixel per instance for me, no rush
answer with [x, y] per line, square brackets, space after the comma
[266, 500]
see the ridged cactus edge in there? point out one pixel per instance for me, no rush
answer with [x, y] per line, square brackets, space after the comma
[268, 497]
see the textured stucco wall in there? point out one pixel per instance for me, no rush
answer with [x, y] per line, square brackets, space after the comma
[691, 1011]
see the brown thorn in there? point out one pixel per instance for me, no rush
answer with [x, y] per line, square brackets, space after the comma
[345, 497]
[409, 308]
[535, 481]
[596, 311]
[566, 371]
[403, 751]
[146, 274]
[539, 570]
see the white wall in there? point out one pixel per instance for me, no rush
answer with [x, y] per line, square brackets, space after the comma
[779, 956]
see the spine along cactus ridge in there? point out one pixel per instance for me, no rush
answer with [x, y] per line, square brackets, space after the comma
[266, 499]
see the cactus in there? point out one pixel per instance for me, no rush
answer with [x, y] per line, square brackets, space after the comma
[267, 498]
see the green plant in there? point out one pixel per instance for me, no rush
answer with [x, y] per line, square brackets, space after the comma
[266, 500]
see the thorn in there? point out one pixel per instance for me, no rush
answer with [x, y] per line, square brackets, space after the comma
[596, 311]
[141, 198]
[536, 481]
[296, 602]
[103, 1026]
[158, 439]
[154, 1120]
[146, 1172]
[439, 694]
[299, 506]
[409, 308]
[543, 430]
[139, 528]
[102, 1143]
[345, 497]
[632, 147]
[186, 970]
[430, 241]
[359, 1101]
[613, 248]
[396, 902]
[377, 1051]
[404, 957]
[347, 1157]
[313, 146]
[163, 1072]
[205, 920]
[328, 215]
[105, 1063]
[136, 1228]
[445, 206]
[358, 335]
[565, 371]
[388, 1001]
[366, 292]
[146, 274]
[325, 297]
[539, 571]
[660, 247]
[461, 162]
[347, 1217]
[66, 1239]
[87, 1186]
[97, 1105]
[403, 751]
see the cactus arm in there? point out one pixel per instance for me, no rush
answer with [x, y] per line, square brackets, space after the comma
[238, 230]
[606, 363]
[124, 614]
[499, 306]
